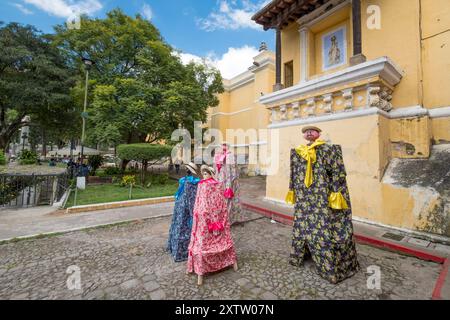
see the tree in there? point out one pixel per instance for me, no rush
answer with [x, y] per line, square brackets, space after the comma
[144, 153]
[139, 86]
[34, 78]
[113, 43]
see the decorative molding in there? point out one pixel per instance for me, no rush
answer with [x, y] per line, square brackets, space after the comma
[257, 143]
[382, 67]
[311, 106]
[230, 113]
[327, 117]
[262, 61]
[283, 110]
[240, 80]
[347, 94]
[406, 112]
[327, 102]
[439, 112]
[380, 97]
[273, 115]
[296, 110]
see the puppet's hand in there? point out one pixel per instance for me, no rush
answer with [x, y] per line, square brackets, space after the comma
[337, 201]
[290, 197]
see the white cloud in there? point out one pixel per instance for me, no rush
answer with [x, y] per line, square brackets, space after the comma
[147, 12]
[67, 8]
[236, 61]
[187, 58]
[230, 64]
[232, 16]
[23, 9]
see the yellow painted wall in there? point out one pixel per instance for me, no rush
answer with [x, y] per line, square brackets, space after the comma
[410, 137]
[435, 17]
[365, 158]
[436, 69]
[235, 102]
[361, 157]
[290, 43]
[399, 39]
[441, 130]
[378, 140]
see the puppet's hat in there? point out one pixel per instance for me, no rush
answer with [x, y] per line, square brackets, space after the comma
[311, 128]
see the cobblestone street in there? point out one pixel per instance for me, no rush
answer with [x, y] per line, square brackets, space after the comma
[130, 262]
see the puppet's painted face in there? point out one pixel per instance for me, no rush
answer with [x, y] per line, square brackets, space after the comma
[206, 175]
[311, 135]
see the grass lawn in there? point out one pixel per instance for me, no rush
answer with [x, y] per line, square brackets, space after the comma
[110, 193]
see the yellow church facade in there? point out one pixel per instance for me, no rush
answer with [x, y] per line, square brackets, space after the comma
[374, 75]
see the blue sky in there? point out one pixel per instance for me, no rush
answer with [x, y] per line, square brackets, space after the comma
[220, 30]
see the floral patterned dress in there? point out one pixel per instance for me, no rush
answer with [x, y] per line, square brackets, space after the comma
[228, 174]
[211, 247]
[319, 231]
[181, 226]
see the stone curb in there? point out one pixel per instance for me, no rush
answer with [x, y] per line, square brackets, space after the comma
[119, 204]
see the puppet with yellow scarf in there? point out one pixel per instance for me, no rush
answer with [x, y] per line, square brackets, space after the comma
[323, 219]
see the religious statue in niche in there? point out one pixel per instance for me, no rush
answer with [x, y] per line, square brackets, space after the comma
[334, 55]
[334, 47]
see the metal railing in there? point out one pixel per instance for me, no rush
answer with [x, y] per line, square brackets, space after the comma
[30, 190]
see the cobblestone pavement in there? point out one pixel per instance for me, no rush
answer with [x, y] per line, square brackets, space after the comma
[130, 262]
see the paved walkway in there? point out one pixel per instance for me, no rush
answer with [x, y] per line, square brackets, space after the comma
[41, 220]
[130, 262]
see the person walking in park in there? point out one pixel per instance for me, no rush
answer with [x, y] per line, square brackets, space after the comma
[323, 225]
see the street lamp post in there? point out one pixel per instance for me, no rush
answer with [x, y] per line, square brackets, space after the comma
[88, 64]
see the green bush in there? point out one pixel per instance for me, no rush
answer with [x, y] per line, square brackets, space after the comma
[143, 151]
[27, 157]
[2, 158]
[111, 171]
[95, 161]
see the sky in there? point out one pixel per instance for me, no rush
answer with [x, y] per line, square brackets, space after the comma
[219, 30]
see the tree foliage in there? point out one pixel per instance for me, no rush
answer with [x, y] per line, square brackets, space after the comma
[143, 151]
[35, 80]
[139, 87]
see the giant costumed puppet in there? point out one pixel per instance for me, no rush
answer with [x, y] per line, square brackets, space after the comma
[322, 225]
[211, 248]
[227, 172]
[180, 228]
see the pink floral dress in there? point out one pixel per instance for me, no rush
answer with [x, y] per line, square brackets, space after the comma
[227, 174]
[211, 247]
